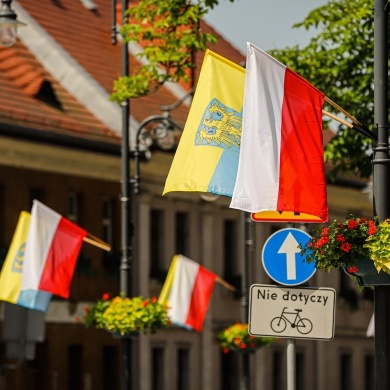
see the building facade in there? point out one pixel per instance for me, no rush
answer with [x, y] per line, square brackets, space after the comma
[60, 144]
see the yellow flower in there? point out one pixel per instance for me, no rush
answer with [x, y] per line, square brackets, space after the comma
[236, 337]
[127, 315]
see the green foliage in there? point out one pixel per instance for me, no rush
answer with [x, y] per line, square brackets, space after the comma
[340, 244]
[126, 315]
[379, 247]
[93, 316]
[237, 338]
[340, 62]
[171, 33]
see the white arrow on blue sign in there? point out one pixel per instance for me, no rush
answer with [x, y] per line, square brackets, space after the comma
[282, 259]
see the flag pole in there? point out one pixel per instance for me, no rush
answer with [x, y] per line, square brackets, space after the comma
[335, 105]
[336, 118]
[101, 245]
[225, 283]
[358, 128]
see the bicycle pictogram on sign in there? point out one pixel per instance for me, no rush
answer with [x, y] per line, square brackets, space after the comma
[303, 325]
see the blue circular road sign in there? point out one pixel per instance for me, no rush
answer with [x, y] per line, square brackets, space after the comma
[282, 259]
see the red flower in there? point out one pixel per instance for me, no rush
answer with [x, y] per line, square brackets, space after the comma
[225, 350]
[106, 296]
[242, 345]
[340, 238]
[352, 224]
[86, 309]
[145, 303]
[371, 227]
[153, 299]
[321, 242]
[353, 269]
[346, 247]
[325, 231]
[363, 220]
[237, 341]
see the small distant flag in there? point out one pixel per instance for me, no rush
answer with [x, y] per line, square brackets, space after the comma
[52, 247]
[11, 273]
[42, 257]
[281, 162]
[187, 292]
[207, 156]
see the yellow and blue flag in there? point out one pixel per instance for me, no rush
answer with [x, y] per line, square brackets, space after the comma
[11, 273]
[207, 156]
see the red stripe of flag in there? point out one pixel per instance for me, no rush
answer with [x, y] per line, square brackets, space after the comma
[200, 299]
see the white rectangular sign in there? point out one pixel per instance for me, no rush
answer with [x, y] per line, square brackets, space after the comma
[298, 313]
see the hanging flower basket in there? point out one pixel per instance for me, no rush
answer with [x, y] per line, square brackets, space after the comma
[236, 338]
[366, 274]
[126, 316]
[359, 246]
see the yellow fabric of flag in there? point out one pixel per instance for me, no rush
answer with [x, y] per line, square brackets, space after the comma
[11, 273]
[207, 156]
[163, 298]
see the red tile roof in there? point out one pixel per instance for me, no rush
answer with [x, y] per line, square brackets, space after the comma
[86, 36]
[23, 102]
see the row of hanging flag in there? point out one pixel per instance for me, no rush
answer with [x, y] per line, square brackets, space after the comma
[254, 135]
[42, 258]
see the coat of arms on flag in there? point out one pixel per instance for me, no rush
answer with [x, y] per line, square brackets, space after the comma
[220, 127]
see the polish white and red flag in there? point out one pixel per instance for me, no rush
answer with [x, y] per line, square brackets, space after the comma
[52, 247]
[187, 292]
[281, 162]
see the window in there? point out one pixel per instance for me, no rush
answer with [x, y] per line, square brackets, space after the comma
[345, 371]
[348, 292]
[369, 372]
[111, 259]
[229, 371]
[158, 368]
[38, 194]
[110, 368]
[107, 221]
[300, 371]
[231, 272]
[72, 208]
[183, 369]
[75, 367]
[277, 370]
[182, 233]
[156, 244]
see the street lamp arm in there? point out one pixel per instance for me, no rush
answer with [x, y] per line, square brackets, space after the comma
[168, 108]
[158, 118]
[164, 129]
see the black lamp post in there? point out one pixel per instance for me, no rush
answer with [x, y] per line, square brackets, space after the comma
[8, 24]
[154, 129]
[381, 184]
[126, 263]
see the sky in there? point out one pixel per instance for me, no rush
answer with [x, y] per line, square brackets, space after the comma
[265, 23]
